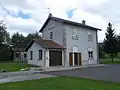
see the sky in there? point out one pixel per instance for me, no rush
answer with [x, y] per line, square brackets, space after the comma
[28, 16]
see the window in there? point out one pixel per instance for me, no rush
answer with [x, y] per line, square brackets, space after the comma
[89, 36]
[17, 55]
[51, 35]
[90, 54]
[75, 34]
[31, 55]
[25, 55]
[40, 54]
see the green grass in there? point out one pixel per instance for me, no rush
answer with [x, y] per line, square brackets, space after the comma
[109, 61]
[13, 66]
[61, 83]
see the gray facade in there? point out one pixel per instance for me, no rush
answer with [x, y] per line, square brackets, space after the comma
[82, 43]
[62, 34]
[35, 60]
[58, 32]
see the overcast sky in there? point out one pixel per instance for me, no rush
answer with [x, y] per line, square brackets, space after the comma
[27, 16]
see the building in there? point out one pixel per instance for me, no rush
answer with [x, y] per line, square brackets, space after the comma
[19, 54]
[64, 43]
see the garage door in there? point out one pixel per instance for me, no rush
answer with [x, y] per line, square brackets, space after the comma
[55, 58]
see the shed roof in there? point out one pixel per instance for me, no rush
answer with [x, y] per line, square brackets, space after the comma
[48, 44]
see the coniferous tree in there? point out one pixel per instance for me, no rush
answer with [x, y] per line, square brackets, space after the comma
[110, 42]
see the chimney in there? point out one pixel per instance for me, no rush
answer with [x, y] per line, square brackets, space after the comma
[50, 15]
[83, 22]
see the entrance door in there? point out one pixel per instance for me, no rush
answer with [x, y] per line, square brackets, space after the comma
[70, 59]
[76, 59]
[80, 63]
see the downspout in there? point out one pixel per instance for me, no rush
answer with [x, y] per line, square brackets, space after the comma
[45, 59]
[98, 59]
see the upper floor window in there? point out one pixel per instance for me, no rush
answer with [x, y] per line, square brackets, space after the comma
[40, 54]
[75, 34]
[89, 36]
[31, 55]
[51, 35]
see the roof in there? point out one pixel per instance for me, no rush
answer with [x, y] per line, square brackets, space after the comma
[67, 22]
[48, 44]
[18, 49]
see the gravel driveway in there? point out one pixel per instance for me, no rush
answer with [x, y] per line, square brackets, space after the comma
[106, 73]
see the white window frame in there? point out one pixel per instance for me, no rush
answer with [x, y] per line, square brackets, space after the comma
[31, 55]
[75, 34]
[51, 35]
[90, 53]
[89, 36]
[40, 54]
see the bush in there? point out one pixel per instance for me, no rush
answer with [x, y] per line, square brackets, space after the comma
[5, 53]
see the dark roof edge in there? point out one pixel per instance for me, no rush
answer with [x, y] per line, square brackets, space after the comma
[66, 21]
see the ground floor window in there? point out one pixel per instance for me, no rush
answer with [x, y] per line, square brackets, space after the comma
[90, 53]
[40, 54]
[25, 55]
[31, 55]
[17, 55]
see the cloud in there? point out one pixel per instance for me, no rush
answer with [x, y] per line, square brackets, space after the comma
[37, 12]
[21, 25]
[110, 12]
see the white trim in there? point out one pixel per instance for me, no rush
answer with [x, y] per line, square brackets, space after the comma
[90, 49]
[75, 49]
[47, 58]
[73, 59]
[63, 58]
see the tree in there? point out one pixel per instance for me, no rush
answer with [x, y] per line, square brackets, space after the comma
[101, 52]
[18, 40]
[110, 42]
[118, 37]
[3, 32]
[31, 37]
[4, 42]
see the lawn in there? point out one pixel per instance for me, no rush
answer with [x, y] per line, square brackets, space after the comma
[109, 61]
[13, 66]
[61, 83]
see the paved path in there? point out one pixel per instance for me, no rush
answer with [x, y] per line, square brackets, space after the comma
[21, 76]
[6, 74]
[24, 77]
[106, 73]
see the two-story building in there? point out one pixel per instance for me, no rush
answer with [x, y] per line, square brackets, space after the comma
[64, 43]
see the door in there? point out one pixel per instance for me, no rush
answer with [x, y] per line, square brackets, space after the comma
[76, 59]
[55, 58]
[70, 59]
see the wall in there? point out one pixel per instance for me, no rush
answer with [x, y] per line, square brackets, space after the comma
[35, 47]
[58, 32]
[82, 43]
